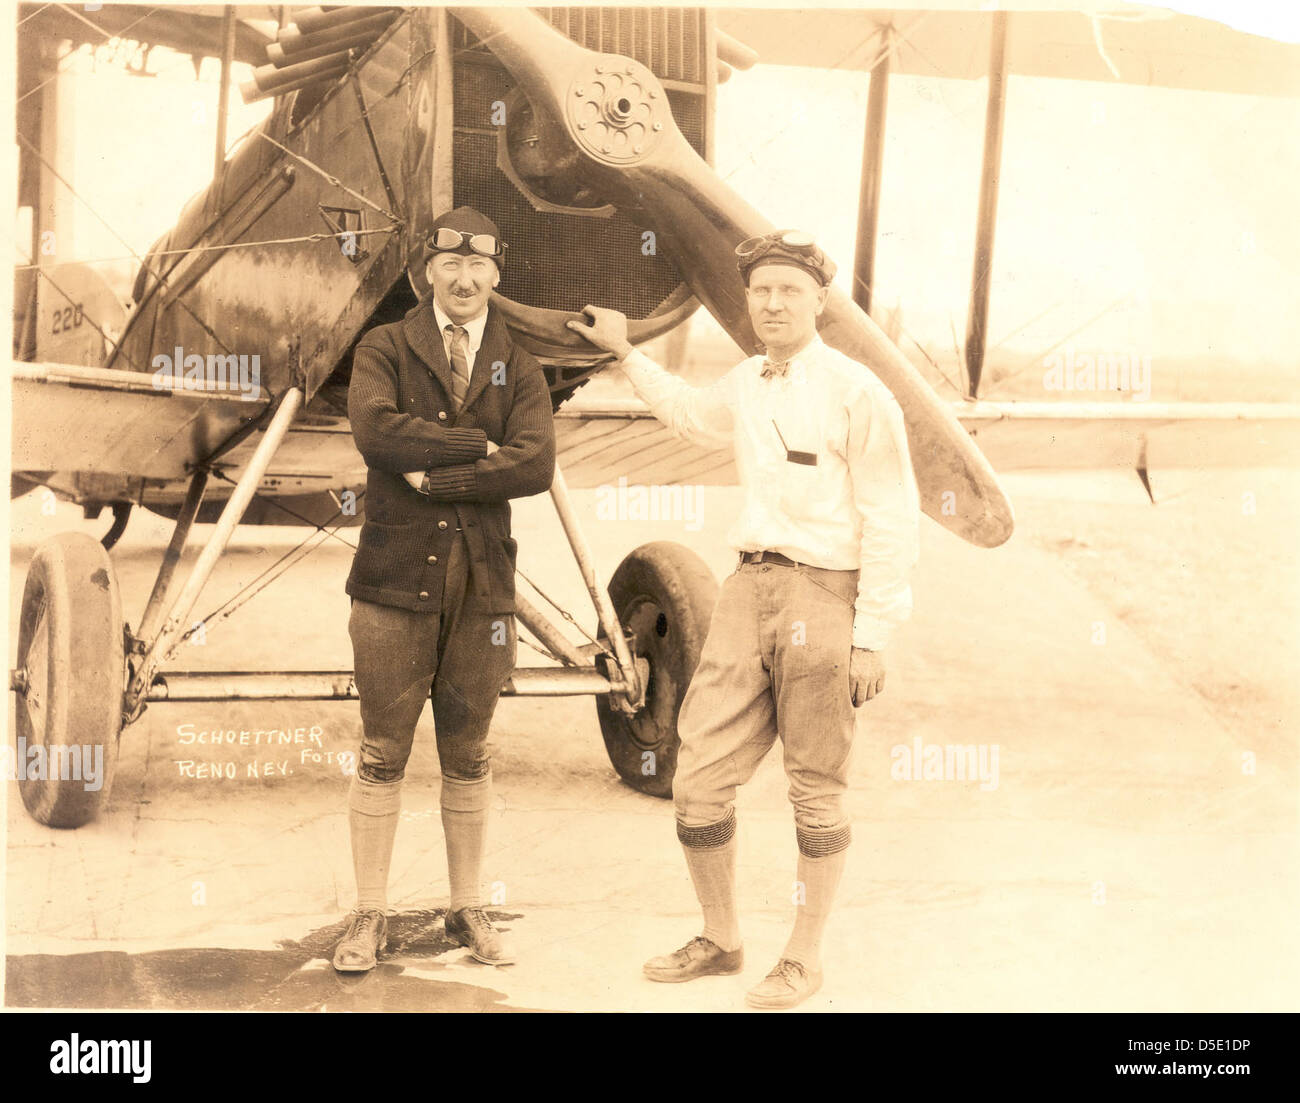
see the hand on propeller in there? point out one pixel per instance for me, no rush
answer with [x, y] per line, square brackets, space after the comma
[608, 330]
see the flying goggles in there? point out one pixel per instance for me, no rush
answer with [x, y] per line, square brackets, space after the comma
[446, 240]
[795, 245]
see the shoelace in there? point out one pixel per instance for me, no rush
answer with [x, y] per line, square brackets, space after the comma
[478, 915]
[362, 921]
[789, 971]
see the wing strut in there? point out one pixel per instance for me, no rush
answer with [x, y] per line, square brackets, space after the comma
[977, 325]
[223, 103]
[183, 604]
[873, 159]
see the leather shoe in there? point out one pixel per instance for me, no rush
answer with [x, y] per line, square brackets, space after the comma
[701, 957]
[471, 927]
[790, 983]
[366, 939]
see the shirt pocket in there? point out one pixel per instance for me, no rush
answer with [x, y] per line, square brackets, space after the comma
[802, 483]
[800, 461]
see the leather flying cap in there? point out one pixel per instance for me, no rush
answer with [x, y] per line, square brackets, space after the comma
[792, 247]
[465, 220]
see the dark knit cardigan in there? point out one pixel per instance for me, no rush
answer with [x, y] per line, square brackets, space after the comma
[401, 409]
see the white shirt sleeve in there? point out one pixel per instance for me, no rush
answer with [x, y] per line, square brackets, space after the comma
[700, 415]
[887, 502]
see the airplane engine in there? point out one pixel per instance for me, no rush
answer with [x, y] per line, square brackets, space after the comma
[568, 245]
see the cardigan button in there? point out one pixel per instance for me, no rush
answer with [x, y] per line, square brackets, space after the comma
[433, 559]
[442, 524]
[424, 595]
[442, 415]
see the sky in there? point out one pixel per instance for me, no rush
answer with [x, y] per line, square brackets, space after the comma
[1177, 205]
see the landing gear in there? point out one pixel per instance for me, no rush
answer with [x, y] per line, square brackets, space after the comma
[663, 595]
[81, 677]
[121, 515]
[71, 669]
[74, 687]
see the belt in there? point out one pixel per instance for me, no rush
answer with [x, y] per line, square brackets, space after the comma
[767, 557]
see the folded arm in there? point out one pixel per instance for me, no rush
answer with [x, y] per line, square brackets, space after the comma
[523, 464]
[390, 440]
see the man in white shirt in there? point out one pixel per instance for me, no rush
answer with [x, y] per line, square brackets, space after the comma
[827, 537]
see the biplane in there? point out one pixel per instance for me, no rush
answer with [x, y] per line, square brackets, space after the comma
[587, 134]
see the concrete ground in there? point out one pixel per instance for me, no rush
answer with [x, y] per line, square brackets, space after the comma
[1135, 847]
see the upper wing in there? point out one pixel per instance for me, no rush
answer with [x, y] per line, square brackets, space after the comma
[195, 29]
[1136, 46]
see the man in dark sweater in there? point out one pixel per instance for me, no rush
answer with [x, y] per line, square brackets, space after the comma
[453, 420]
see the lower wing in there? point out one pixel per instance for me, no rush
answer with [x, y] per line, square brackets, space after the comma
[602, 441]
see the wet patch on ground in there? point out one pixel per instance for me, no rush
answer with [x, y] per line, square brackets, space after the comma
[410, 933]
[295, 977]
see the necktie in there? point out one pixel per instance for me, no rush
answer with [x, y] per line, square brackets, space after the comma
[459, 345]
[770, 369]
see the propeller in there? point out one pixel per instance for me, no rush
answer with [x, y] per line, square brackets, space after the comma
[615, 113]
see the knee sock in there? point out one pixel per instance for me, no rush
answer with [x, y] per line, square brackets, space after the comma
[711, 858]
[818, 873]
[373, 808]
[464, 825]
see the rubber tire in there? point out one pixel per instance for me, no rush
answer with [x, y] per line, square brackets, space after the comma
[71, 598]
[665, 593]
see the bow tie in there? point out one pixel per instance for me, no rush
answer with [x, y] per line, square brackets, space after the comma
[770, 369]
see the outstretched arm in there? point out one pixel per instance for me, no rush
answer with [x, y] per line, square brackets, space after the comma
[701, 415]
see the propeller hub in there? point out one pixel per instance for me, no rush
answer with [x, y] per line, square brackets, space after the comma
[616, 111]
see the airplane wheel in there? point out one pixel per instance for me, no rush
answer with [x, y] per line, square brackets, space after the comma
[664, 594]
[71, 649]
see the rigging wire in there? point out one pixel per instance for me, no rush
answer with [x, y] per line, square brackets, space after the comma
[334, 180]
[61, 70]
[563, 612]
[179, 300]
[1037, 357]
[251, 589]
[321, 236]
[892, 48]
[112, 344]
